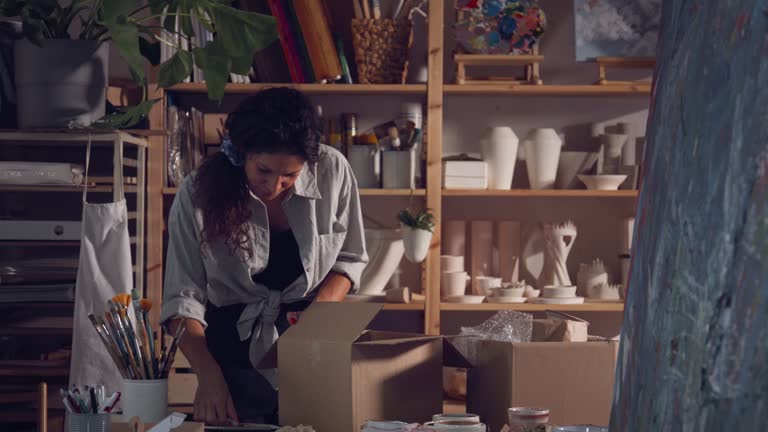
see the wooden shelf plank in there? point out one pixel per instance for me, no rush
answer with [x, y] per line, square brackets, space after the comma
[53, 137]
[525, 307]
[402, 306]
[53, 188]
[363, 192]
[555, 193]
[547, 90]
[316, 89]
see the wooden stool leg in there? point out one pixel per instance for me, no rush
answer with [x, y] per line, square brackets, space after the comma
[42, 408]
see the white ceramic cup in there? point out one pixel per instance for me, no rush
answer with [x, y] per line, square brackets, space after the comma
[551, 291]
[146, 399]
[486, 284]
[451, 263]
[453, 284]
[455, 426]
[457, 416]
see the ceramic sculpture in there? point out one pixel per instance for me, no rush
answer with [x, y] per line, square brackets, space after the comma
[604, 291]
[558, 241]
[571, 164]
[499, 146]
[590, 275]
[385, 251]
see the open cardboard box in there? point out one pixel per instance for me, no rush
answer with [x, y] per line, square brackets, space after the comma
[573, 379]
[334, 374]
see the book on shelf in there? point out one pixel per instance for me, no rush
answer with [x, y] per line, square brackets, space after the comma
[312, 19]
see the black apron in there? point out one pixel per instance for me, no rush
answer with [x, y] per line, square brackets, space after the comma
[254, 397]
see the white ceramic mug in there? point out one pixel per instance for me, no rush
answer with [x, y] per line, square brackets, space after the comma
[454, 284]
[456, 416]
[145, 399]
[451, 263]
[455, 426]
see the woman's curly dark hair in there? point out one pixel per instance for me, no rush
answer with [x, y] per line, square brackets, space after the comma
[276, 120]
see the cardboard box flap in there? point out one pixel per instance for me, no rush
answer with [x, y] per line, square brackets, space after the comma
[397, 341]
[333, 322]
[452, 357]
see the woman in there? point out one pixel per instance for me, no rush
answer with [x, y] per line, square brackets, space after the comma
[263, 228]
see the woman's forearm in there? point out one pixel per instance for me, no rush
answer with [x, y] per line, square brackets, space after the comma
[194, 347]
[334, 288]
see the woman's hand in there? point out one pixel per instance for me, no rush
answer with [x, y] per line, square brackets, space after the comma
[213, 403]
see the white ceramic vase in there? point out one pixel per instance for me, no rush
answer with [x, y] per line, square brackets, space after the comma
[385, 251]
[499, 146]
[416, 242]
[542, 155]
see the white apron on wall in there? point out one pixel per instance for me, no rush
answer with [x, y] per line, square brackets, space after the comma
[105, 270]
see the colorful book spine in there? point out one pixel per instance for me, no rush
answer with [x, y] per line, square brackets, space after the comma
[287, 41]
[321, 48]
[303, 54]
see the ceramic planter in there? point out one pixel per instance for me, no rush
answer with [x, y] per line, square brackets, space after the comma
[385, 251]
[62, 81]
[416, 243]
[499, 145]
[542, 155]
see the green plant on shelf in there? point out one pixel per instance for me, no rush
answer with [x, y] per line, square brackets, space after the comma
[423, 220]
[135, 27]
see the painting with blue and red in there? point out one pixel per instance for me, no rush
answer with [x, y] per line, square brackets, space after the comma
[498, 26]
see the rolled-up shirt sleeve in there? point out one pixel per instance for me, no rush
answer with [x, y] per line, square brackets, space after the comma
[184, 290]
[352, 258]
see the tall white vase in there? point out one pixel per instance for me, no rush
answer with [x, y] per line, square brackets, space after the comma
[385, 251]
[499, 145]
[542, 155]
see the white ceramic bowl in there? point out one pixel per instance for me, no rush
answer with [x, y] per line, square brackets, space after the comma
[465, 299]
[602, 182]
[457, 416]
[550, 291]
[453, 284]
[451, 263]
[509, 292]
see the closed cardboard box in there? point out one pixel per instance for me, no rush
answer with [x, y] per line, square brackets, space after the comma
[334, 375]
[573, 379]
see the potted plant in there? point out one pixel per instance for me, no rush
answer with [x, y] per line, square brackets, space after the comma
[61, 71]
[417, 233]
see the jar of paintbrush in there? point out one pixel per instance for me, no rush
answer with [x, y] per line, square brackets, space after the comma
[137, 354]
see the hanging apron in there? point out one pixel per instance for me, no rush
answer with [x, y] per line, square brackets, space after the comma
[104, 271]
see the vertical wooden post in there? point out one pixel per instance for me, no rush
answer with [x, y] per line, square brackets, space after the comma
[155, 222]
[141, 215]
[42, 407]
[431, 275]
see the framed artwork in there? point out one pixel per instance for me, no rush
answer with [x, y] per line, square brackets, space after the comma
[498, 26]
[616, 28]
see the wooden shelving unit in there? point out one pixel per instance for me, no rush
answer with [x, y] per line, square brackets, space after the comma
[436, 91]
[79, 189]
[554, 193]
[524, 307]
[505, 90]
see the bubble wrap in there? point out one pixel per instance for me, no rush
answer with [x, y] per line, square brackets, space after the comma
[504, 326]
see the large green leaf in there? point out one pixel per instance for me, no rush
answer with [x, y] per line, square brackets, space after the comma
[126, 117]
[175, 69]
[242, 33]
[113, 10]
[125, 38]
[216, 67]
[242, 65]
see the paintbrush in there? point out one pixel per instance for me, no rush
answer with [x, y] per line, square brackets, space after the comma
[172, 349]
[115, 347]
[146, 306]
[111, 326]
[143, 342]
[110, 348]
[124, 302]
[123, 332]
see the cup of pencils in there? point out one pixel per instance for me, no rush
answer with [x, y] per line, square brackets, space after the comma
[137, 354]
[88, 410]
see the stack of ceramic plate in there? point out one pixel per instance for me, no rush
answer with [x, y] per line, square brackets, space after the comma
[509, 294]
[558, 295]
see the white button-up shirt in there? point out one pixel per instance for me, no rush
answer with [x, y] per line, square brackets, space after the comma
[323, 211]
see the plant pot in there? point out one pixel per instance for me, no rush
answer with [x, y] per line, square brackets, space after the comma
[416, 242]
[60, 82]
[500, 154]
[385, 251]
[542, 155]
